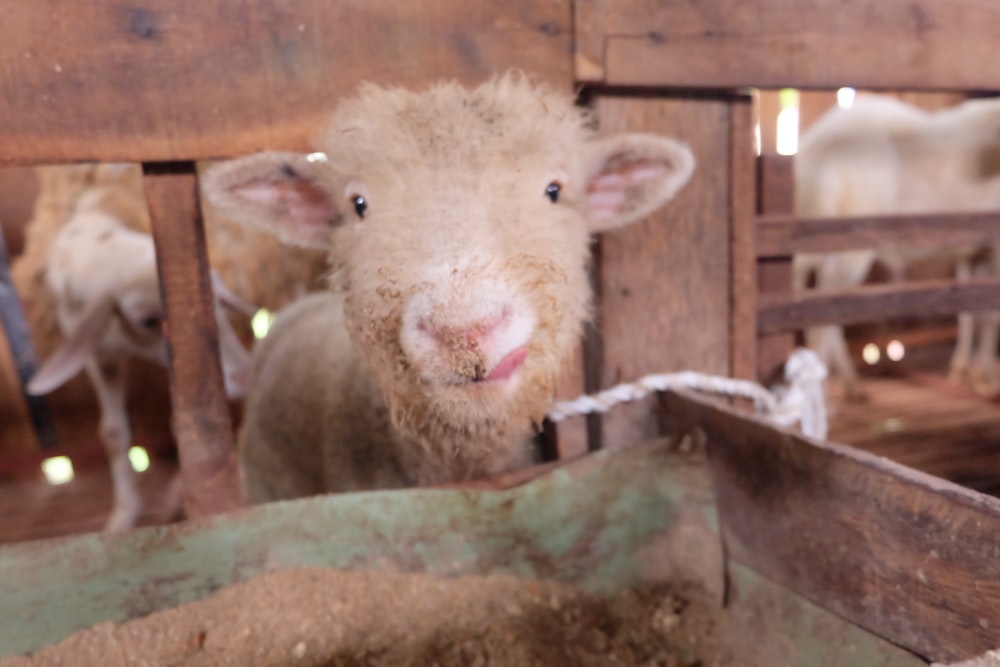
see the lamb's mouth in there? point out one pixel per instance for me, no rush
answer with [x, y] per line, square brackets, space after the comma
[504, 369]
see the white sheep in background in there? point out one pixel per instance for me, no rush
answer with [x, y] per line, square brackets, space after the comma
[457, 223]
[103, 282]
[883, 156]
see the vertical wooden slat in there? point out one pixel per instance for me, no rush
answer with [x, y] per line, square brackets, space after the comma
[812, 105]
[571, 434]
[588, 40]
[775, 194]
[742, 205]
[202, 420]
[665, 282]
[768, 108]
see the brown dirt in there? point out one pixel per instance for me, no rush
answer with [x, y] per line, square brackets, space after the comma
[323, 617]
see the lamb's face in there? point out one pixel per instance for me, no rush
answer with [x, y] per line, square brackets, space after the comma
[458, 222]
[467, 284]
[137, 327]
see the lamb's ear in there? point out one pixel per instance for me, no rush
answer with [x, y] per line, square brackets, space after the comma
[73, 353]
[229, 298]
[282, 193]
[632, 175]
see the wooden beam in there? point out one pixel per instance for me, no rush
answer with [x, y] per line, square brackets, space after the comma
[878, 44]
[910, 557]
[588, 41]
[671, 274]
[784, 235]
[875, 303]
[201, 418]
[195, 79]
[743, 260]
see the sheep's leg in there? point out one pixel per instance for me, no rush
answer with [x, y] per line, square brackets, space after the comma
[830, 343]
[986, 380]
[108, 378]
[840, 271]
[961, 358]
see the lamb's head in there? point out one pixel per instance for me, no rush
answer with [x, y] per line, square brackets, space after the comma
[458, 222]
[109, 306]
[136, 325]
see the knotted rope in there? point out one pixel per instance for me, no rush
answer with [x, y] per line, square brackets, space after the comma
[800, 399]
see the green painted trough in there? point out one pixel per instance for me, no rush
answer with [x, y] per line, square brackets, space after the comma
[608, 520]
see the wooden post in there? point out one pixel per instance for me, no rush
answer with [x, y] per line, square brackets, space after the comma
[742, 244]
[202, 422]
[665, 284]
[776, 194]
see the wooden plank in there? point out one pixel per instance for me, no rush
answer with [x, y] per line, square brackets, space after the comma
[783, 235]
[768, 108]
[588, 41]
[668, 276]
[775, 194]
[570, 435]
[812, 105]
[18, 191]
[192, 79]
[910, 557]
[876, 303]
[911, 44]
[776, 185]
[201, 416]
[743, 260]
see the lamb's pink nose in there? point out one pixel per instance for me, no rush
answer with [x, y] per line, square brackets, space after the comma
[464, 337]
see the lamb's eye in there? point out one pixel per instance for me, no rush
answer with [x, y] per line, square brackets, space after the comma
[360, 205]
[151, 323]
[552, 191]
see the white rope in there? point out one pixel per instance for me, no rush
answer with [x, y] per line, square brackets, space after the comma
[988, 659]
[799, 400]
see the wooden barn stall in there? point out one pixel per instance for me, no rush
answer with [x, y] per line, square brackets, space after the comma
[861, 560]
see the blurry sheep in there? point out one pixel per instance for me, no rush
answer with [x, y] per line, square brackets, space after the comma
[883, 156]
[107, 303]
[89, 275]
[457, 224]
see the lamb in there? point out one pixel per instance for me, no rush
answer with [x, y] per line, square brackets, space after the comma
[103, 281]
[457, 223]
[884, 156]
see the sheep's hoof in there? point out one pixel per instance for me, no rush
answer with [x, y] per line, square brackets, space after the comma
[986, 385]
[958, 374]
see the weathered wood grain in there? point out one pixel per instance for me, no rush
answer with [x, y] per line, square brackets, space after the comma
[910, 557]
[742, 241]
[193, 79]
[775, 194]
[665, 283]
[570, 436]
[201, 416]
[875, 303]
[898, 44]
[782, 235]
[588, 40]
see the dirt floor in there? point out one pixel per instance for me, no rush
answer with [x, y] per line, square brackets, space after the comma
[323, 617]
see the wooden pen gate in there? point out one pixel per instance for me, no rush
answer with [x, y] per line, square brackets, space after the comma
[168, 82]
